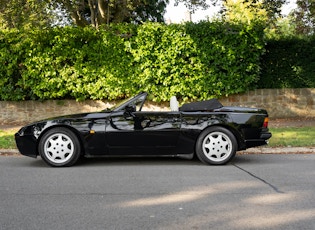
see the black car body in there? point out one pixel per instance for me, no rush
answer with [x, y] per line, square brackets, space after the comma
[211, 131]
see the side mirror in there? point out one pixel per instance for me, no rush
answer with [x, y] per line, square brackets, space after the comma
[130, 109]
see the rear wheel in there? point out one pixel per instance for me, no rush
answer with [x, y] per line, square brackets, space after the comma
[216, 145]
[59, 147]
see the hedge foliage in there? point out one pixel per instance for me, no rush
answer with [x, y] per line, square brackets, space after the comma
[197, 61]
[64, 63]
[191, 61]
[289, 63]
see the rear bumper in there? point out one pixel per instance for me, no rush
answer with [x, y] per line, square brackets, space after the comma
[266, 136]
[263, 140]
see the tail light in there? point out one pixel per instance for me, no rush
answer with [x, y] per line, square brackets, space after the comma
[265, 125]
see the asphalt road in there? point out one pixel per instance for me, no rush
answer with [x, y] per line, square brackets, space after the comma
[253, 192]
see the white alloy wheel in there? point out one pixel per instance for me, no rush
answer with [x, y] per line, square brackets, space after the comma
[217, 146]
[59, 148]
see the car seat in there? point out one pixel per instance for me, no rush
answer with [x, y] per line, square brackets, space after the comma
[174, 104]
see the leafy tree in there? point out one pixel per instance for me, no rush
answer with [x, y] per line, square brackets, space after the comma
[153, 11]
[284, 28]
[273, 8]
[264, 10]
[25, 14]
[43, 13]
[100, 12]
[192, 5]
[305, 16]
[245, 11]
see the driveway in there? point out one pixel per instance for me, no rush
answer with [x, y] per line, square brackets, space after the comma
[259, 191]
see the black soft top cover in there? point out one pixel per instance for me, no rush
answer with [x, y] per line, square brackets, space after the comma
[208, 105]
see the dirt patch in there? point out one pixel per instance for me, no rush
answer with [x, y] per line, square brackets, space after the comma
[10, 127]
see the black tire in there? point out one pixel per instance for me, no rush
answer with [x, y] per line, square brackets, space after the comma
[59, 147]
[216, 146]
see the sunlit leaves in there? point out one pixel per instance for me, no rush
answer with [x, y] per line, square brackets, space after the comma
[191, 61]
[244, 11]
[25, 14]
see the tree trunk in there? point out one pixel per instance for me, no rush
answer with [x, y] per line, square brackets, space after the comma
[78, 19]
[93, 10]
[75, 13]
[103, 8]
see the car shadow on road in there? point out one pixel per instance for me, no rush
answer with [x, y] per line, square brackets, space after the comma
[110, 161]
[125, 161]
[140, 161]
[134, 161]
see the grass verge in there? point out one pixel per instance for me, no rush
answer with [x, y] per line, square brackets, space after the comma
[292, 137]
[7, 139]
[281, 137]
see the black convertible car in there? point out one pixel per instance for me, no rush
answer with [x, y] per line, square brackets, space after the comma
[208, 129]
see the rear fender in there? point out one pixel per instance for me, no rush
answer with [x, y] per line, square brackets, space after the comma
[240, 140]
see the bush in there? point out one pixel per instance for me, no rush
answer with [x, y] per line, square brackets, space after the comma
[78, 63]
[289, 63]
[197, 61]
[13, 48]
[191, 61]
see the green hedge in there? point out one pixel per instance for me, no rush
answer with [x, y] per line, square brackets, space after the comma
[191, 61]
[197, 61]
[13, 48]
[289, 63]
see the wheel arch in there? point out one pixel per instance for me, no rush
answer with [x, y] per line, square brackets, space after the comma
[72, 129]
[236, 134]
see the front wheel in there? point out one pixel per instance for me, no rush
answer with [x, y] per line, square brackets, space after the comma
[216, 146]
[59, 147]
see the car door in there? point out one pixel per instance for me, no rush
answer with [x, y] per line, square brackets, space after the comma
[138, 133]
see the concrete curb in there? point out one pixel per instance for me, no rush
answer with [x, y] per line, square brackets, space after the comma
[261, 150]
[280, 150]
[9, 152]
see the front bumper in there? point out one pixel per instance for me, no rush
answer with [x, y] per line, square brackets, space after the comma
[26, 144]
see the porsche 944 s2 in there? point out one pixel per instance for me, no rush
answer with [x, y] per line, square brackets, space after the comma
[208, 129]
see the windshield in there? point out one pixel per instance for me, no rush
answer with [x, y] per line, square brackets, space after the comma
[136, 101]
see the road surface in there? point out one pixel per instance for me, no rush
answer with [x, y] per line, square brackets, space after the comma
[262, 191]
